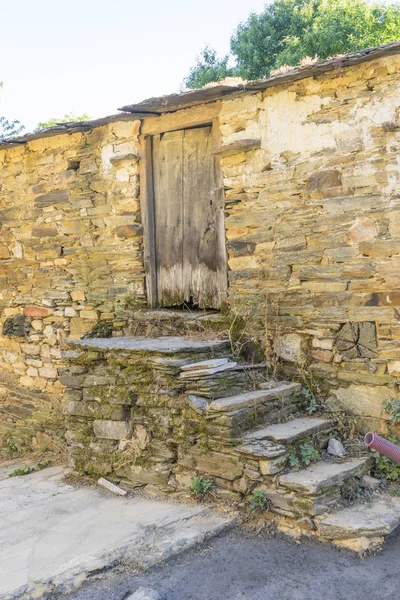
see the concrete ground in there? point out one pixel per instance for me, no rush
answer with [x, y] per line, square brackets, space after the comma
[240, 566]
[53, 536]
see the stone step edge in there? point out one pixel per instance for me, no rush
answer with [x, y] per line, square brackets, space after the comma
[166, 345]
[351, 468]
[380, 516]
[315, 425]
[253, 398]
[200, 373]
[212, 363]
[228, 366]
[171, 315]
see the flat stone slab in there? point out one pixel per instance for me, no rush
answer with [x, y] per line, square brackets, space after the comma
[213, 363]
[201, 373]
[290, 431]
[162, 345]
[249, 399]
[322, 475]
[53, 535]
[378, 518]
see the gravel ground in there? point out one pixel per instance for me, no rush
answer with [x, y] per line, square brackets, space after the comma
[240, 566]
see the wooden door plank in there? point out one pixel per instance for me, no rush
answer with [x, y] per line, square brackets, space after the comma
[168, 185]
[219, 202]
[204, 262]
[189, 248]
[147, 211]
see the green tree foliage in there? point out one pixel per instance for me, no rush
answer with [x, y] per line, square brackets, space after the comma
[68, 118]
[8, 128]
[258, 44]
[287, 31]
[208, 68]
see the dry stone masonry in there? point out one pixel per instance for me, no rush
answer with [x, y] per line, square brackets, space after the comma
[70, 254]
[309, 179]
[154, 413]
[311, 175]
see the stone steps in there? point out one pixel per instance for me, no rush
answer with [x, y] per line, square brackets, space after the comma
[316, 489]
[242, 418]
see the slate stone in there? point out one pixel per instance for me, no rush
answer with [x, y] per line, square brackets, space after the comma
[111, 430]
[17, 326]
[197, 374]
[323, 475]
[205, 364]
[56, 197]
[163, 345]
[291, 430]
[249, 399]
[197, 403]
[373, 519]
[321, 180]
[129, 231]
[42, 232]
[336, 448]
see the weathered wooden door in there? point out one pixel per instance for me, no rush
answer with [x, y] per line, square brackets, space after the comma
[188, 220]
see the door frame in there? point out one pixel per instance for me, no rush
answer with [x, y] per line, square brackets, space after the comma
[154, 126]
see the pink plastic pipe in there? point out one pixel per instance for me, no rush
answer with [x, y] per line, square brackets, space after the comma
[383, 446]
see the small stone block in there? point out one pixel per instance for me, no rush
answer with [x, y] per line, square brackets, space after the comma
[35, 311]
[371, 483]
[197, 403]
[111, 430]
[274, 466]
[336, 448]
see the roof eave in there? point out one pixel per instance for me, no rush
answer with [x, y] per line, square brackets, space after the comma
[173, 102]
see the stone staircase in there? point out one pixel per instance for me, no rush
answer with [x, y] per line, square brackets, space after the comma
[190, 409]
[309, 500]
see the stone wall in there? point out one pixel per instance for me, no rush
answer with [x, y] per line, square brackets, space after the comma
[70, 257]
[311, 175]
[313, 222]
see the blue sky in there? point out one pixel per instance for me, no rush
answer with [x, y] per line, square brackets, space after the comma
[94, 56]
